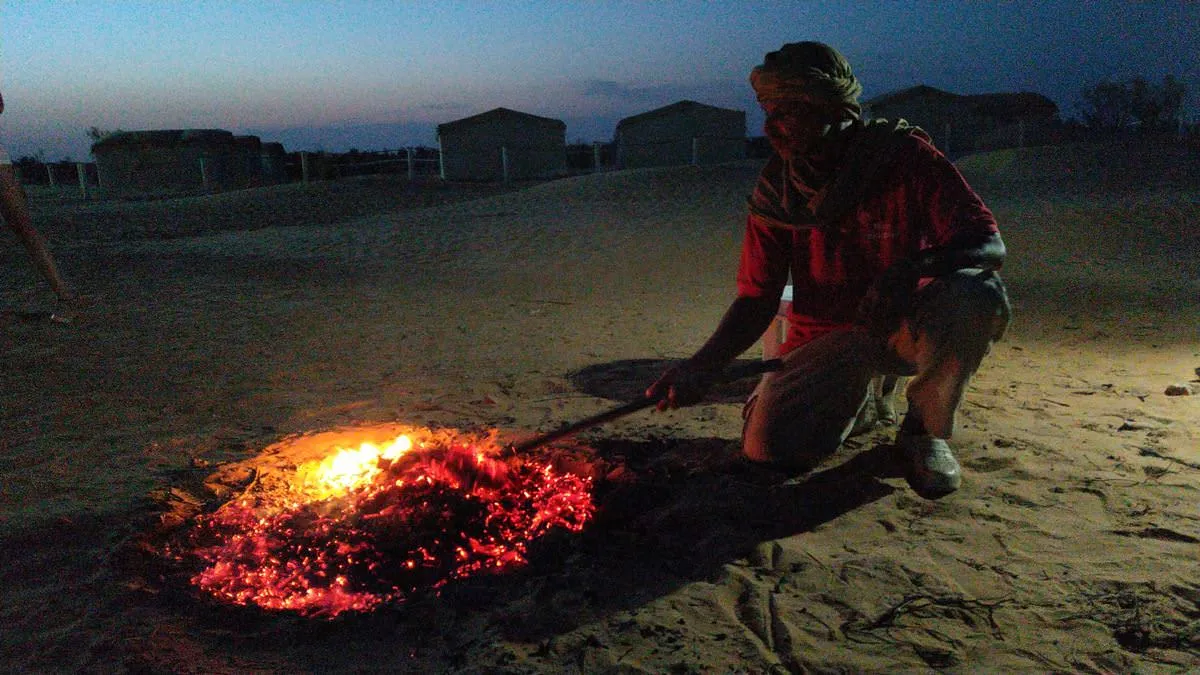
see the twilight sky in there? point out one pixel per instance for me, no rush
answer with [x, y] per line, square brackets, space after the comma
[381, 75]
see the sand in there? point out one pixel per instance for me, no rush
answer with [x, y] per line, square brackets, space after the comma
[219, 326]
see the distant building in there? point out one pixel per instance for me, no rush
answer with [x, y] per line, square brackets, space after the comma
[165, 161]
[686, 132]
[503, 144]
[960, 124]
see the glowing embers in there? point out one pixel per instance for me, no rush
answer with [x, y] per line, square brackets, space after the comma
[371, 524]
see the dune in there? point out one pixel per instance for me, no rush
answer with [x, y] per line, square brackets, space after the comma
[221, 326]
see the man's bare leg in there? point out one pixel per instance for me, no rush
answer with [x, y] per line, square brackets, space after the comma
[950, 332]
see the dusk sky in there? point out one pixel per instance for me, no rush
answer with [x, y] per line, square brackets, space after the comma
[381, 75]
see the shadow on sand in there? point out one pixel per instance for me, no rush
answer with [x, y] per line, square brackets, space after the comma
[679, 511]
[628, 379]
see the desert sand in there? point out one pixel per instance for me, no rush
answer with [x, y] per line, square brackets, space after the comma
[219, 326]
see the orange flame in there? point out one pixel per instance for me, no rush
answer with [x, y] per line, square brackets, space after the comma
[351, 468]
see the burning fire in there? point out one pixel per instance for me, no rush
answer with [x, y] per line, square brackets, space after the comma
[353, 467]
[373, 524]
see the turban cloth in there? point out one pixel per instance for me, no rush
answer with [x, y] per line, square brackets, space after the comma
[807, 71]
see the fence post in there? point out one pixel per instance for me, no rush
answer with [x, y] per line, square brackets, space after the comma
[946, 142]
[441, 159]
[203, 173]
[304, 168]
[596, 157]
[1021, 133]
[50, 173]
[504, 162]
[408, 153]
[695, 150]
[81, 171]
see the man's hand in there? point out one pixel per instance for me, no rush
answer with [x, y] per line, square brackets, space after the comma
[682, 385]
[890, 298]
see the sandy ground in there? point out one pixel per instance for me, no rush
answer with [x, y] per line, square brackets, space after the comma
[222, 325]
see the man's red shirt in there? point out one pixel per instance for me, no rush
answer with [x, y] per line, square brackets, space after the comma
[917, 199]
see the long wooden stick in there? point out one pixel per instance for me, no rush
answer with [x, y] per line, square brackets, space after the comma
[731, 374]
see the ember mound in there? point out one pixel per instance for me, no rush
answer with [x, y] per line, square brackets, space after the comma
[377, 523]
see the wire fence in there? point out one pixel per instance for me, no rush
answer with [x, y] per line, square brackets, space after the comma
[412, 161]
[66, 178]
[680, 150]
[507, 163]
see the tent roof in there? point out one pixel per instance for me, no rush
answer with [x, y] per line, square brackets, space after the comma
[1023, 103]
[1020, 103]
[165, 138]
[495, 113]
[670, 110]
[901, 95]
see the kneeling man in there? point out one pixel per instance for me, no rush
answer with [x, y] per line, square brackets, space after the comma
[893, 262]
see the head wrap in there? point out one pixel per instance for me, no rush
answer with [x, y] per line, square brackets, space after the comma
[807, 71]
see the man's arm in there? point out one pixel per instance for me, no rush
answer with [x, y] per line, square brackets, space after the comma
[742, 325]
[891, 296]
[954, 216]
[964, 250]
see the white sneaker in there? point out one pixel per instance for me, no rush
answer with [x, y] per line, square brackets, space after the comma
[929, 466]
